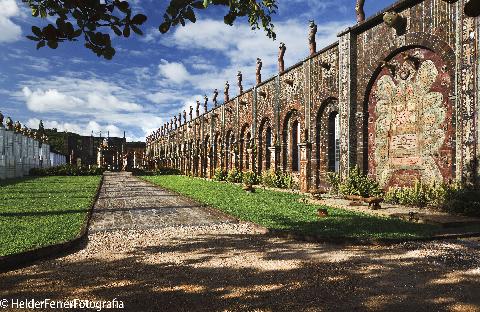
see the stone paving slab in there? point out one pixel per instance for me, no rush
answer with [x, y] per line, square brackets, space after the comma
[126, 202]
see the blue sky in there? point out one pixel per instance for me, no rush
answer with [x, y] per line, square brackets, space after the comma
[153, 76]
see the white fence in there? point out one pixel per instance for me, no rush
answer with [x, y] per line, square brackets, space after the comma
[20, 153]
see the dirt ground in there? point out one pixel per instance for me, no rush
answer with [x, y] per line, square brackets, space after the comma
[156, 251]
[227, 267]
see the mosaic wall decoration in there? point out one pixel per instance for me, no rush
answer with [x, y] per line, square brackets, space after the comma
[410, 124]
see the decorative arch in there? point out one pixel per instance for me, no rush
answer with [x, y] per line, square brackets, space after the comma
[409, 117]
[327, 138]
[291, 137]
[229, 149]
[245, 137]
[265, 141]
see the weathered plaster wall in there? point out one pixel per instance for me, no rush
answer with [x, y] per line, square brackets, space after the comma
[407, 98]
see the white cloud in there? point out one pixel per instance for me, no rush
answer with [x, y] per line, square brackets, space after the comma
[9, 31]
[77, 96]
[173, 71]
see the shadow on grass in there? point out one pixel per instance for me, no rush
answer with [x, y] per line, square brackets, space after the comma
[250, 273]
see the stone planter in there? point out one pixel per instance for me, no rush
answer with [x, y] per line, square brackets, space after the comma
[392, 19]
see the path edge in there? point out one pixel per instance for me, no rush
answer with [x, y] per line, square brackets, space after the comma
[27, 258]
[318, 238]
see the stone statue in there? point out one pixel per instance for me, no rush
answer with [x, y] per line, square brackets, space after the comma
[17, 127]
[179, 119]
[227, 87]
[311, 38]
[281, 55]
[205, 103]
[360, 11]
[9, 123]
[184, 116]
[240, 78]
[161, 130]
[191, 113]
[1, 120]
[198, 108]
[171, 124]
[215, 95]
[259, 71]
[175, 121]
[41, 128]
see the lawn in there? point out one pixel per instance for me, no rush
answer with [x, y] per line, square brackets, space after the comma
[36, 212]
[286, 211]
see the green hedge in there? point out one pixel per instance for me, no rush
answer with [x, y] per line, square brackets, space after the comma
[67, 170]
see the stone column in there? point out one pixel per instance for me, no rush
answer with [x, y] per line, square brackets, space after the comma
[305, 166]
[17, 154]
[2, 152]
[347, 87]
[274, 157]
[36, 161]
[9, 156]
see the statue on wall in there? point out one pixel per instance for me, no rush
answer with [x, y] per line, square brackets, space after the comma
[161, 130]
[18, 126]
[281, 55]
[179, 119]
[175, 121]
[259, 71]
[360, 11]
[205, 103]
[198, 108]
[227, 87]
[41, 128]
[9, 123]
[215, 95]
[184, 116]
[191, 113]
[239, 79]
[1, 120]
[311, 37]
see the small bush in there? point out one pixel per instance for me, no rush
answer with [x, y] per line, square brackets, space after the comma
[250, 178]
[220, 175]
[158, 172]
[277, 179]
[359, 184]
[333, 180]
[234, 176]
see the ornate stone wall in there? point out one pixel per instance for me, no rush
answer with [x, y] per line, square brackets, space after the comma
[406, 94]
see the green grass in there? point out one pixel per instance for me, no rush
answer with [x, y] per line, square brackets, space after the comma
[286, 211]
[37, 212]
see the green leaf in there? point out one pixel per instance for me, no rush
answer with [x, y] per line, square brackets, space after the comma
[139, 19]
[189, 14]
[41, 44]
[164, 27]
[126, 31]
[37, 31]
[33, 38]
[137, 30]
[117, 31]
[52, 44]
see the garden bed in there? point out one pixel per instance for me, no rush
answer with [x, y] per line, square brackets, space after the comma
[287, 212]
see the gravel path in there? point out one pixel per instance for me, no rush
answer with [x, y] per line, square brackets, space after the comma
[227, 266]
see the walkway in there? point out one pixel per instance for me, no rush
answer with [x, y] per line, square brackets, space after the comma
[126, 202]
[171, 255]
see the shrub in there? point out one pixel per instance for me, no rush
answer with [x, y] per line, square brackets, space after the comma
[250, 178]
[220, 175]
[421, 194]
[359, 184]
[158, 172]
[67, 170]
[275, 178]
[333, 180]
[234, 176]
